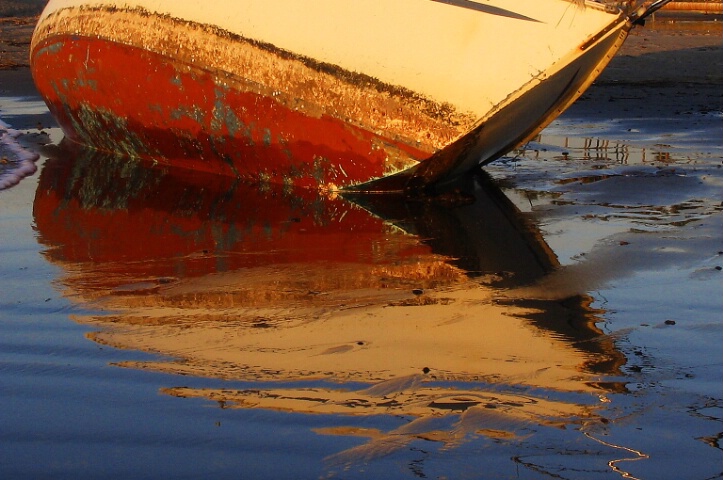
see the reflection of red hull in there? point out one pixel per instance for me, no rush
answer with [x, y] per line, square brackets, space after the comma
[138, 222]
[120, 220]
[176, 113]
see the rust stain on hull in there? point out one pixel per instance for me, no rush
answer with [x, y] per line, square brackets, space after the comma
[203, 98]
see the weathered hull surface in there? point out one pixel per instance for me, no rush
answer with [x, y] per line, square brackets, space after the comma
[321, 93]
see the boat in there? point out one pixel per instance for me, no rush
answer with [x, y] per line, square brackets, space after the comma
[365, 96]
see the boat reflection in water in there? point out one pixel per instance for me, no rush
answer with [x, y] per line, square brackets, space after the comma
[365, 306]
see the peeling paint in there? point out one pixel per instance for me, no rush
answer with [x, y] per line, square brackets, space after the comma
[267, 68]
[186, 127]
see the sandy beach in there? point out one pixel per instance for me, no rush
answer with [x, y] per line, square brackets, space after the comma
[567, 324]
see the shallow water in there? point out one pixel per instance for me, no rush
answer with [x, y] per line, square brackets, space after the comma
[560, 317]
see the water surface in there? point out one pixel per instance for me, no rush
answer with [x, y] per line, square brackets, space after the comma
[556, 317]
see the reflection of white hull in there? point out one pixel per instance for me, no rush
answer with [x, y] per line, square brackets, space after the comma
[337, 93]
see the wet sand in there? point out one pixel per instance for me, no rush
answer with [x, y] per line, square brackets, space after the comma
[569, 328]
[663, 70]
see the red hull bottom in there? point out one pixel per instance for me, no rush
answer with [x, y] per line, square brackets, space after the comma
[137, 103]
